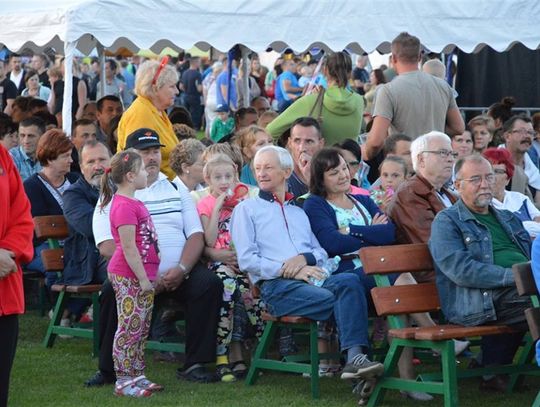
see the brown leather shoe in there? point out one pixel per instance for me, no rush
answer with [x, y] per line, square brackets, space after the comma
[497, 384]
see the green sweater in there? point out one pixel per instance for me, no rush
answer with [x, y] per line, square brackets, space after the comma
[342, 115]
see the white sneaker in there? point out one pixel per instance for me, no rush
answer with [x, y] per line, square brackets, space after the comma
[65, 322]
[460, 346]
[416, 395]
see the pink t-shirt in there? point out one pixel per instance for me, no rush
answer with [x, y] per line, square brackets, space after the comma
[205, 207]
[128, 211]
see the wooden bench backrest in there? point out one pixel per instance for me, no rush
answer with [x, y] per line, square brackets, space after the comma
[526, 285]
[396, 259]
[524, 279]
[53, 260]
[405, 299]
[51, 227]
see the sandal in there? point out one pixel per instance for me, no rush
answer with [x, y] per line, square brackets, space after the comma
[239, 369]
[146, 384]
[225, 374]
[131, 389]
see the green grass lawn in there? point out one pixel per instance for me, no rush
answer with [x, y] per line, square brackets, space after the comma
[55, 377]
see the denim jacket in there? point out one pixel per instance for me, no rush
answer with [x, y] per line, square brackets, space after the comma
[462, 252]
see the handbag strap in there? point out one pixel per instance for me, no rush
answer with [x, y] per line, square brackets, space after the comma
[318, 105]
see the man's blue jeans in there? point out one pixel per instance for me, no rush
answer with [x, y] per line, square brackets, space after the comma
[342, 295]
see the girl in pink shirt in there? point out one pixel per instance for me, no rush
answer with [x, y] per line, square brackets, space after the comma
[131, 270]
[215, 210]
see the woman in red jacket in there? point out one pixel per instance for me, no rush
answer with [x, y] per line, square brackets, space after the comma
[16, 232]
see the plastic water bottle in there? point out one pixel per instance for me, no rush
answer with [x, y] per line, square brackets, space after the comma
[328, 267]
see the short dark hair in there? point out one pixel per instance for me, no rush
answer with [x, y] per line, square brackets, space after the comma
[307, 121]
[112, 64]
[391, 142]
[181, 115]
[91, 144]
[47, 117]
[406, 48]
[35, 103]
[81, 122]
[351, 146]
[507, 125]
[33, 121]
[110, 98]
[6, 126]
[502, 110]
[324, 160]
[242, 112]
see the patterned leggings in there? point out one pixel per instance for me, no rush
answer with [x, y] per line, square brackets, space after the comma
[134, 317]
[237, 302]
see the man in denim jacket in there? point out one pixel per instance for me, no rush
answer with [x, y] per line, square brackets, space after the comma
[474, 247]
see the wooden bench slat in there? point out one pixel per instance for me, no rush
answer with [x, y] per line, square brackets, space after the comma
[524, 279]
[405, 299]
[533, 320]
[289, 319]
[454, 332]
[53, 259]
[396, 259]
[51, 227]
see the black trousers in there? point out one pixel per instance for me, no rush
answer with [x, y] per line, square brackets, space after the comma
[9, 332]
[201, 296]
[510, 310]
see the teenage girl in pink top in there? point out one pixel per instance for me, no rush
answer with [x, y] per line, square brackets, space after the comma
[131, 270]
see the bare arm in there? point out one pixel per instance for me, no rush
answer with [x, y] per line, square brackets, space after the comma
[454, 122]
[107, 248]
[9, 106]
[81, 97]
[131, 254]
[292, 90]
[376, 137]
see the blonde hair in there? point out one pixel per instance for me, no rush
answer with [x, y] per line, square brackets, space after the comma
[145, 76]
[230, 150]
[215, 161]
[482, 120]
[246, 137]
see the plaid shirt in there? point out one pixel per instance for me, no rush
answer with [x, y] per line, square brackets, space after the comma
[24, 164]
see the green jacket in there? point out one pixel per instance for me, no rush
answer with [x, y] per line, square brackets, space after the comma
[342, 115]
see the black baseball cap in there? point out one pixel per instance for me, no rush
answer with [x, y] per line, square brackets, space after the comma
[143, 138]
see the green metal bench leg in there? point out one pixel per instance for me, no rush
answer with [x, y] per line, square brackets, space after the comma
[260, 352]
[526, 355]
[61, 302]
[95, 324]
[536, 402]
[390, 364]
[314, 353]
[448, 361]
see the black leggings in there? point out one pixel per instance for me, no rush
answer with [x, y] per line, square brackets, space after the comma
[9, 331]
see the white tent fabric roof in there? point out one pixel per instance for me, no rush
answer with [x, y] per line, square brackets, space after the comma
[258, 24]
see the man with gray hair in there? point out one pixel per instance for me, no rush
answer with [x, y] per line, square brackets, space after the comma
[474, 247]
[420, 198]
[413, 103]
[276, 247]
[434, 67]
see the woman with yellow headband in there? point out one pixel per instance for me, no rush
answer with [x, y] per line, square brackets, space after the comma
[155, 86]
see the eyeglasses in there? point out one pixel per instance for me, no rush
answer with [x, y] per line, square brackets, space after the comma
[523, 132]
[499, 171]
[162, 64]
[353, 163]
[477, 179]
[444, 153]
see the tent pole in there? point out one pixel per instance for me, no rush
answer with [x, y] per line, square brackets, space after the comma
[245, 75]
[69, 51]
[101, 55]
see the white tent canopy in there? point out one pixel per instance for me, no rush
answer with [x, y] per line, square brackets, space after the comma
[299, 24]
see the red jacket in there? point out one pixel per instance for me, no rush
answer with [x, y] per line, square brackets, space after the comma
[16, 232]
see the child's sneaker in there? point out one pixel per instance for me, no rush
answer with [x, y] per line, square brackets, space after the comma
[324, 371]
[146, 384]
[130, 389]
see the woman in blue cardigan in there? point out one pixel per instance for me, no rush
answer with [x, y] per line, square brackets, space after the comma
[343, 223]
